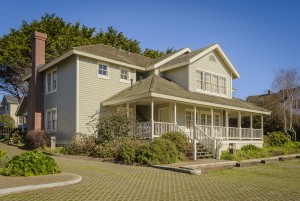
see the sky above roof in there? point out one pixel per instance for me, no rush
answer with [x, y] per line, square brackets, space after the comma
[258, 36]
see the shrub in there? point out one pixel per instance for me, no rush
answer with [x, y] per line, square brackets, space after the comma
[2, 154]
[16, 138]
[37, 139]
[108, 149]
[159, 151]
[250, 147]
[179, 139]
[6, 138]
[113, 126]
[227, 156]
[82, 144]
[277, 139]
[7, 121]
[127, 151]
[31, 163]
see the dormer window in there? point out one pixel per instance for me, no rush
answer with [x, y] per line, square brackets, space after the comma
[103, 71]
[51, 81]
[209, 82]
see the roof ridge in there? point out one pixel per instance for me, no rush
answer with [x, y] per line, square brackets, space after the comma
[114, 48]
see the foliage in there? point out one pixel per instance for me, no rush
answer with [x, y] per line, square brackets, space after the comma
[115, 125]
[7, 138]
[2, 154]
[225, 155]
[278, 139]
[16, 46]
[159, 151]
[82, 144]
[7, 121]
[128, 150]
[37, 139]
[16, 138]
[250, 147]
[179, 139]
[31, 163]
[156, 53]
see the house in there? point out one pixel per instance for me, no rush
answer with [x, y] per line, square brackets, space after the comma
[9, 105]
[186, 91]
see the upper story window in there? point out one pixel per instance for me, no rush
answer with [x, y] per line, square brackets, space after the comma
[51, 120]
[296, 104]
[103, 71]
[210, 82]
[124, 76]
[51, 81]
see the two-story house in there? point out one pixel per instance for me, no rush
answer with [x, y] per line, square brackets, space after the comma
[9, 105]
[186, 91]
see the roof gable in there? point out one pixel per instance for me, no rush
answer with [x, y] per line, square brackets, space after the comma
[9, 99]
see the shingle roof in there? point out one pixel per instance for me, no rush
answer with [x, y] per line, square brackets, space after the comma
[160, 85]
[185, 57]
[113, 53]
[10, 99]
[159, 59]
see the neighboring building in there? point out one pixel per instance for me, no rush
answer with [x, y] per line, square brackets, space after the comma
[9, 106]
[187, 91]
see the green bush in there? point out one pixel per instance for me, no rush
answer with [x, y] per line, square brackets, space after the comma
[227, 156]
[159, 151]
[113, 126]
[6, 138]
[37, 139]
[2, 154]
[278, 139]
[81, 144]
[31, 163]
[7, 121]
[179, 139]
[107, 149]
[127, 151]
[250, 147]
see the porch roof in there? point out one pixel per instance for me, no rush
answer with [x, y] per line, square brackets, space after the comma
[159, 87]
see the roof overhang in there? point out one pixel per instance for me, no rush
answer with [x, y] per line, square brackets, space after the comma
[80, 53]
[21, 110]
[179, 99]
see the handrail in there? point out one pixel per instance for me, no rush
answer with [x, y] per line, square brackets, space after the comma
[178, 129]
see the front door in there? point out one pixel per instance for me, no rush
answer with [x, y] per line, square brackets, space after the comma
[189, 119]
[164, 115]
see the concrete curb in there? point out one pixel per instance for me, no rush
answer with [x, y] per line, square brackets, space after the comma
[217, 164]
[174, 169]
[19, 189]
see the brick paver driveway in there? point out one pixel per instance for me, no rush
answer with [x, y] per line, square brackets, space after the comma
[107, 181]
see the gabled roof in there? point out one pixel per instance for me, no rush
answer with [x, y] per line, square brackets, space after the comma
[115, 54]
[193, 56]
[156, 86]
[10, 99]
[22, 108]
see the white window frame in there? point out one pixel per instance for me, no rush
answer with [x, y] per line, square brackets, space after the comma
[52, 120]
[128, 75]
[192, 116]
[210, 83]
[51, 74]
[101, 75]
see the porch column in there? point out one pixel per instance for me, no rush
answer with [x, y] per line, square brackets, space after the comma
[194, 130]
[262, 126]
[152, 119]
[251, 126]
[240, 125]
[175, 113]
[127, 109]
[134, 112]
[226, 123]
[212, 134]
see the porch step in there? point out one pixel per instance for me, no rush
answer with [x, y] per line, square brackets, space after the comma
[202, 155]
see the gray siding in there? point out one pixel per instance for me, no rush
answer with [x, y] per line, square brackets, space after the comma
[217, 67]
[179, 75]
[64, 99]
[93, 90]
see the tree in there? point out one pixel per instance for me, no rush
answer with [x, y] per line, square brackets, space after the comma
[156, 53]
[7, 121]
[287, 82]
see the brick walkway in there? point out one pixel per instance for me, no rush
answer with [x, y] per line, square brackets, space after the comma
[107, 181]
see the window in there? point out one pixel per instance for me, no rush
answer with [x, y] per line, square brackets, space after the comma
[51, 79]
[124, 76]
[210, 82]
[103, 71]
[51, 120]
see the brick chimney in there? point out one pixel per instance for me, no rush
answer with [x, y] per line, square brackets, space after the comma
[36, 85]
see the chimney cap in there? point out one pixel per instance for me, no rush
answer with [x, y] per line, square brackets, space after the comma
[39, 35]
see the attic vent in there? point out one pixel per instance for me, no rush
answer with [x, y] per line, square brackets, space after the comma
[212, 58]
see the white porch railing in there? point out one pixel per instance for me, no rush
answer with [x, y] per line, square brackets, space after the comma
[143, 130]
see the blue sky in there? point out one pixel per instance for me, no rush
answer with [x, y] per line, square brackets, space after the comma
[258, 36]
